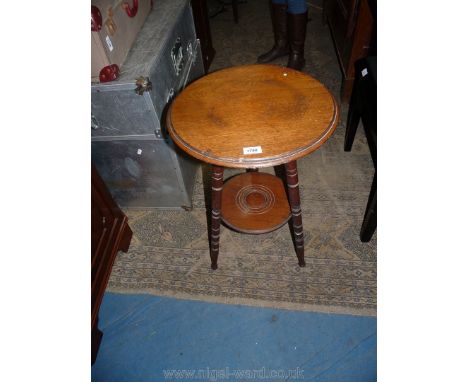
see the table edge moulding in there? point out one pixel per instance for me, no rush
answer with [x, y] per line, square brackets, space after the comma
[256, 161]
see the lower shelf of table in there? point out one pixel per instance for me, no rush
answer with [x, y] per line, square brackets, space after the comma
[254, 202]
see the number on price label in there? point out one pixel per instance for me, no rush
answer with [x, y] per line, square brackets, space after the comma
[252, 150]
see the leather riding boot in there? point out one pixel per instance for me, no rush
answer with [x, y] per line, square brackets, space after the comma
[280, 30]
[297, 25]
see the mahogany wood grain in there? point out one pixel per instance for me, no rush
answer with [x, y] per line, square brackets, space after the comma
[295, 202]
[216, 193]
[110, 233]
[255, 202]
[287, 113]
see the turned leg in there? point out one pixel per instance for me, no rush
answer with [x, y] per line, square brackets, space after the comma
[216, 190]
[295, 202]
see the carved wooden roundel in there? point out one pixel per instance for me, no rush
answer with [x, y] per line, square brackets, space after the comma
[254, 202]
[255, 199]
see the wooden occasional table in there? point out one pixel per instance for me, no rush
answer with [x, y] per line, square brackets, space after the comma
[252, 117]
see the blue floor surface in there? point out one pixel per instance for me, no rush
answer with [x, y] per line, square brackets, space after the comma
[149, 338]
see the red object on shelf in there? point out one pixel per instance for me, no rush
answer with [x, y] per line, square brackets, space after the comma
[96, 19]
[131, 12]
[109, 73]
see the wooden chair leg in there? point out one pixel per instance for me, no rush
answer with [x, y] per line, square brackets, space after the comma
[295, 202]
[369, 222]
[216, 191]
[352, 121]
[96, 336]
[126, 238]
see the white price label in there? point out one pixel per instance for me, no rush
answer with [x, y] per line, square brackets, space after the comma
[364, 72]
[109, 43]
[252, 150]
[139, 151]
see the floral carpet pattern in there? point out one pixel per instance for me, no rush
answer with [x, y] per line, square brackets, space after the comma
[169, 253]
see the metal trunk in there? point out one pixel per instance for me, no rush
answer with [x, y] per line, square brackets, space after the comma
[130, 146]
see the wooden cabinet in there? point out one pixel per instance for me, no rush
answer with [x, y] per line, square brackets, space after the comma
[202, 27]
[109, 234]
[352, 28]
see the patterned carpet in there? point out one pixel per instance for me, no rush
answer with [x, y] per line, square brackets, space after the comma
[169, 253]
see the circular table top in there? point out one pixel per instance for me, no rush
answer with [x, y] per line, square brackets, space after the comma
[252, 116]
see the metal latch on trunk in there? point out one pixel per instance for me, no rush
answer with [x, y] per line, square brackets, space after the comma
[94, 122]
[143, 84]
[177, 56]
